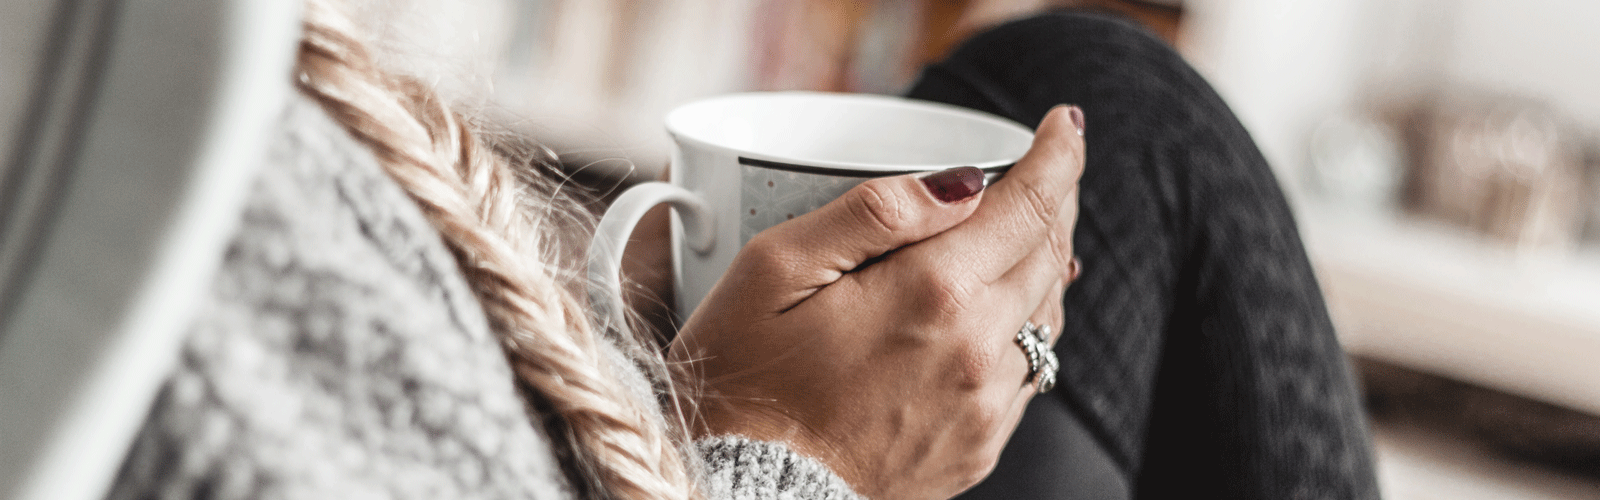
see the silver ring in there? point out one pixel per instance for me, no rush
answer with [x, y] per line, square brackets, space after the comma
[1042, 362]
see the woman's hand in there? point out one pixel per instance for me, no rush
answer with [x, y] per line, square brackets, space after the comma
[876, 334]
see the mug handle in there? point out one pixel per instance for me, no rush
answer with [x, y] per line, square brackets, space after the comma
[616, 227]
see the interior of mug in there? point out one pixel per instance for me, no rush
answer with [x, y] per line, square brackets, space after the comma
[859, 131]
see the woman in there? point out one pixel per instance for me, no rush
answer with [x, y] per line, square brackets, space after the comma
[342, 356]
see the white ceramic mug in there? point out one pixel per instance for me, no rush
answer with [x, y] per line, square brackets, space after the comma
[746, 162]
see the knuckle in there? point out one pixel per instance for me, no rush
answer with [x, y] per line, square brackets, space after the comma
[978, 468]
[982, 470]
[1061, 247]
[943, 293]
[975, 364]
[991, 415]
[990, 435]
[1038, 207]
[876, 204]
[765, 254]
[987, 428]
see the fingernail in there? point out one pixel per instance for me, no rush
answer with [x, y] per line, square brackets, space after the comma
[954, 184]
[1075, 269]
[1076, 113]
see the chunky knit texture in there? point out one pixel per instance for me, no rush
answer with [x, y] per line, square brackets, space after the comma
[340, 354]
[744, 469]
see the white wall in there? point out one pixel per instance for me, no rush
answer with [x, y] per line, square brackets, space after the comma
[1545, 48]
[1281, 65]
[1284, 65]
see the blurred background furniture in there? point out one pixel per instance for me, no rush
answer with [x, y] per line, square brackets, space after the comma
[1427, 272]
[1440, 155]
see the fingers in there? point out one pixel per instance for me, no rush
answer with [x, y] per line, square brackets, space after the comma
[1016, 387]
[1044, 310]
[876, 217]
[1028, 280]
[1021, 209]
[1048, 311]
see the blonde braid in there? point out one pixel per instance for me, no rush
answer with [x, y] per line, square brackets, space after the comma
[471, 195]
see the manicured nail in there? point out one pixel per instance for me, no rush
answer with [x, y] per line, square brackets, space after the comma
[954, 184]
[1077, 117]
[1074, 269]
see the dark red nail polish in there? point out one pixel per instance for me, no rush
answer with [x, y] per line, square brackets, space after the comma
[954, 184]
[1077, 117]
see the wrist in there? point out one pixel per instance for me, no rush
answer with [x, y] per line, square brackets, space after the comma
[755, 420]
[739, 467]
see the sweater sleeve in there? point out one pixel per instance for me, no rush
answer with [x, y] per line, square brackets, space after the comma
[741, 468]
[338, 353]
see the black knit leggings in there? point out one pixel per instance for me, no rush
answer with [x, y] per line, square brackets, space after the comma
[1198, 360]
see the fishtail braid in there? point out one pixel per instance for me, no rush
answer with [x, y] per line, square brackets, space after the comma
[471, 195]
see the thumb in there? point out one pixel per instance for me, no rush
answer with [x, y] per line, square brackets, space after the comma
[872, 219]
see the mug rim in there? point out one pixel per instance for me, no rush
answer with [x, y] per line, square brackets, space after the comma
[844, 168]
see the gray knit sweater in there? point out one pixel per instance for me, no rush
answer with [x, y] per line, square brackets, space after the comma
[340, 354]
